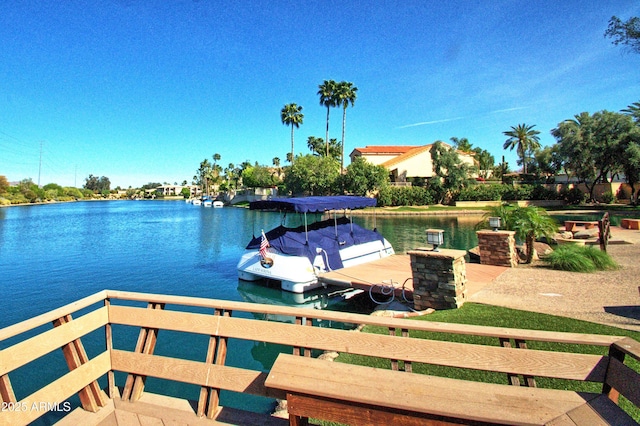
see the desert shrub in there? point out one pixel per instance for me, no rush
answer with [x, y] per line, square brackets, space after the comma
[607, 197]
[73, 192]
[576, 258]
[17, 198]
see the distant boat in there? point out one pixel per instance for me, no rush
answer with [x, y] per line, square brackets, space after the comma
[197, 202]
[207, 202]
[218, 204]
[295, 256]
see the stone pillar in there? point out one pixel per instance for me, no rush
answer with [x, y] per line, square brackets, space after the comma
[498, 248]
[439, 278]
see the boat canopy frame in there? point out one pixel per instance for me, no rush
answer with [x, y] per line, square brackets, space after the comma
[315, 204]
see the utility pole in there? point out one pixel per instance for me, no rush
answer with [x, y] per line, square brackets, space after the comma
[40, 165]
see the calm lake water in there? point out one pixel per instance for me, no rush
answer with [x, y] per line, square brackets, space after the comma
[51, 255]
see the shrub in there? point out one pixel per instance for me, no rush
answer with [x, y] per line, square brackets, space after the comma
[576, 258]
[568, 258]
[539, 192]
[573, 196]
[17, 199]
[607, 197]
[73, 192]
[601, 260]
[491, 192]
[405, 196]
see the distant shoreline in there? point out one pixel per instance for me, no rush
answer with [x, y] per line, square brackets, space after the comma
[54, 202]
[377, 211]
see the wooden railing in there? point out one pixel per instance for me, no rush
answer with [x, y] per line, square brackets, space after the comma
[221, 322]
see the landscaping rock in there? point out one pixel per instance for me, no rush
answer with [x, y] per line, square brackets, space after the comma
[562, 235]
[542, 249]
[586, 234]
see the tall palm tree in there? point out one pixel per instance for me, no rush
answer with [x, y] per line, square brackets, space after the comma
[291, 115]
[345, 95]
[327, 92]
[203, 173]
[524, 139]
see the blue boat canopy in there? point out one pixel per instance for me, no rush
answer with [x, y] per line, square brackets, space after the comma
[328, 235]
[314, 204]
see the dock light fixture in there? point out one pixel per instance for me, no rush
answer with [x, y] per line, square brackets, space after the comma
[435, 237]
[495, 222]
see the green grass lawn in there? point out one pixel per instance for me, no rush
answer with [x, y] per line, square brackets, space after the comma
[477, 314]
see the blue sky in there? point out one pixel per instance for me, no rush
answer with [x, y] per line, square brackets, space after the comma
[142, 91]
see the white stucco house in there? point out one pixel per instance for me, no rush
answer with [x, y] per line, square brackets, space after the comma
[405, 161]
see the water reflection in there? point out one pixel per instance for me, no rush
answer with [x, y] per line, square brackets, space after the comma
[321, 298]
[408, 232]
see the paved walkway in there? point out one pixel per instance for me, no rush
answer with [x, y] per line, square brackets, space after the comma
[610, 297]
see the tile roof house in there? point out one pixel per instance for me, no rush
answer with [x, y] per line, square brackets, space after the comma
[404, 161]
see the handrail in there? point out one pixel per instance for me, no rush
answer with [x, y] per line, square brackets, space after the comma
[399, 323]
[48, 317]
[219, 324]
[358, 319]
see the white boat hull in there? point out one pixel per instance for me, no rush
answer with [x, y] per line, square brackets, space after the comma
[296, 273]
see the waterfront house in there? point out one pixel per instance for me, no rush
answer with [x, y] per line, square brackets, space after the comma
[176, 190]
[405, 161]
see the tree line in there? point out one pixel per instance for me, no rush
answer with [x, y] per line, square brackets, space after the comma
[592, 148]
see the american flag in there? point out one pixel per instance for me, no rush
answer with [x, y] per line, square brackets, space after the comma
[264, 244]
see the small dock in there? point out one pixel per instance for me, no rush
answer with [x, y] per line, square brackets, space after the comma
[396, 270]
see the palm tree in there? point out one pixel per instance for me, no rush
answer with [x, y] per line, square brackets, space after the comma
[634, 111]
[203, 173]
[291, 115]
[327, 92]
[524, 139]
[462, 144]
[530, 223]
[345, 94]
[316, 145]
[276, 164]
